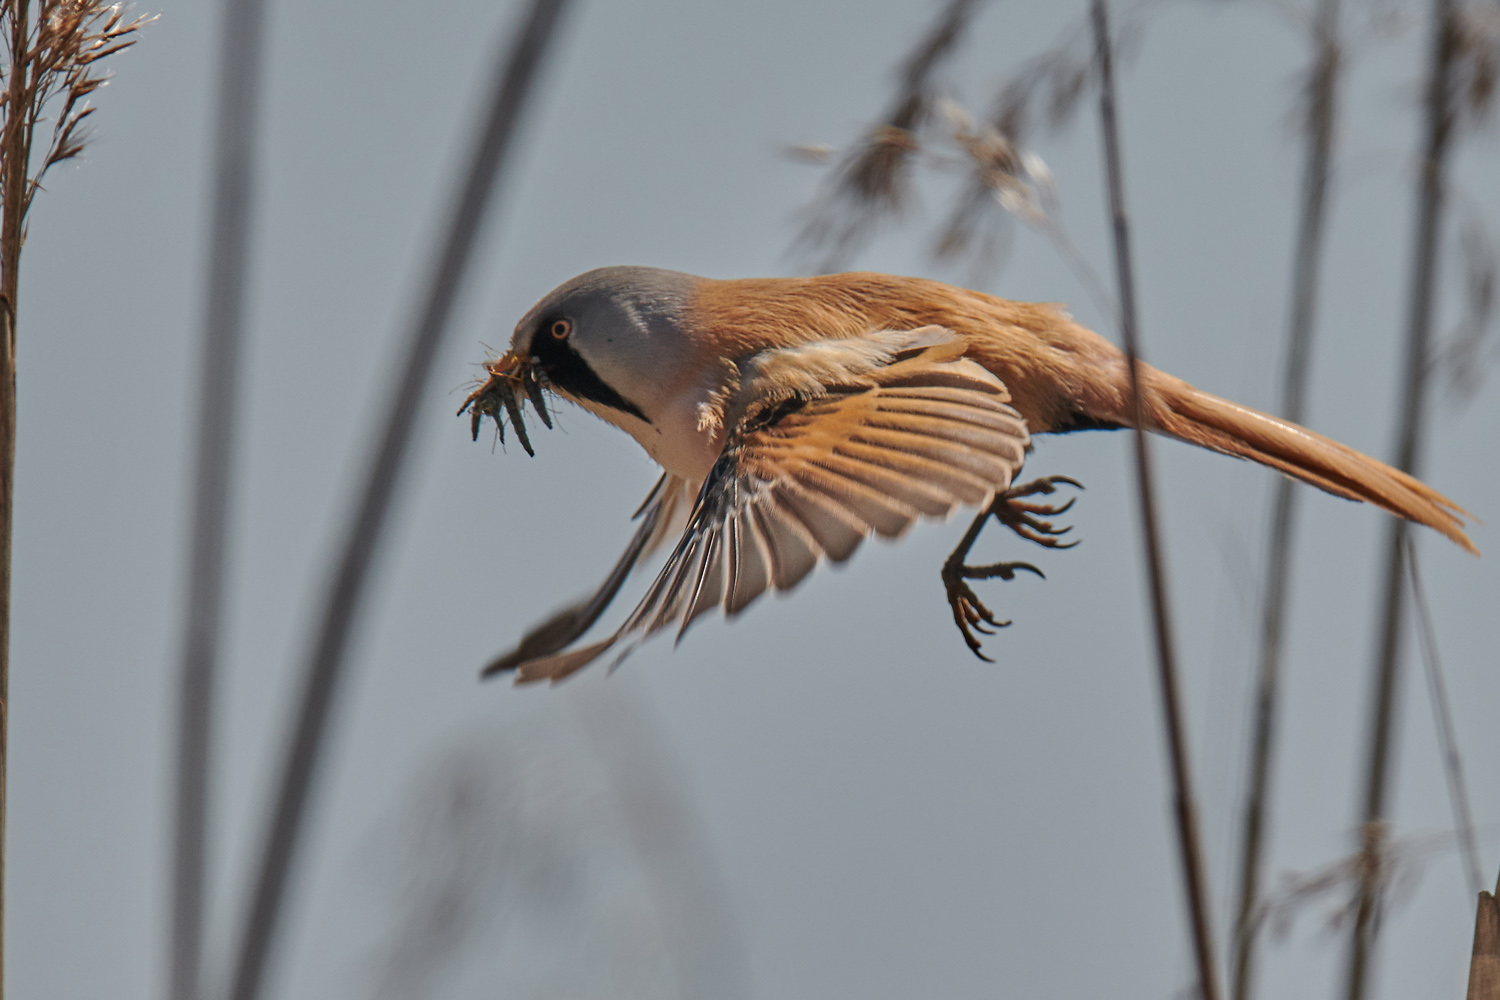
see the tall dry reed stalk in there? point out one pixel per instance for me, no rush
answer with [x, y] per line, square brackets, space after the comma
[52, 56]
[241, 44]
[326, 656]
[1438, 125]
[1442, 719]
[1195, 880]
[1320, 112]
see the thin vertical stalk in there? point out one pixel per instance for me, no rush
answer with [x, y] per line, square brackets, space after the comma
[1321, 113]
[346, 587]
[1195, 880]
[17, 158]
[1442, 719]
[1431, 182]
[219, 376]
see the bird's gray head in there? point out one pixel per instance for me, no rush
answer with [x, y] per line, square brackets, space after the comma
[611, 339]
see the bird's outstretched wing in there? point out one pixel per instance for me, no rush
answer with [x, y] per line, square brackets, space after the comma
[811, 474]
[663, 515]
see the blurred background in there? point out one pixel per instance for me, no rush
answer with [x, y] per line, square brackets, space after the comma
[831, 796]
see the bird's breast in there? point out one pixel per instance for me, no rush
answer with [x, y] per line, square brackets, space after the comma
[672, 437]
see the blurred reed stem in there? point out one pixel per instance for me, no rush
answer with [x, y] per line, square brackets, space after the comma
[1195, 881]
[1321, 109]
[350, 574]
[1442, 718]
[1438, 125]
[219, 377]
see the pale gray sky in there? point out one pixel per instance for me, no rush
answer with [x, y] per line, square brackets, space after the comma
[890, 817]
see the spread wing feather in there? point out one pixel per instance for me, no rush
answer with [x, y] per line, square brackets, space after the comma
[663, 514]
[809, 478]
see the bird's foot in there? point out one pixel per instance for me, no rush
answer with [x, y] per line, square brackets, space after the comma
[969, 612]
[1026, 519]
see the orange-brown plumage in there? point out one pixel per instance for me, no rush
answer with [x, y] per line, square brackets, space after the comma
[794, 417]
[1060, 375]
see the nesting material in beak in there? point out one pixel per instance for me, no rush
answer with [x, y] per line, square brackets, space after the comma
[512, 381]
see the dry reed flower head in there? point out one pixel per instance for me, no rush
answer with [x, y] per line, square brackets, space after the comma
[61, 63]
[1463, 357]
[1391, 867]
[871, 184]
[1006, 179]
[1476, 65]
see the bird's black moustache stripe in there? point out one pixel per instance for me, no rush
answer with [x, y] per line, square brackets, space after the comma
[566, 370]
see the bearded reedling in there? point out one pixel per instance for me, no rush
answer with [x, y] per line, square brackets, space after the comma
[793, 417]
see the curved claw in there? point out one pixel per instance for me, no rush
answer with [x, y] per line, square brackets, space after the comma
[1025, 519]
[1004, 570]
[1045, 485]
[1045, 510]
[969, 612]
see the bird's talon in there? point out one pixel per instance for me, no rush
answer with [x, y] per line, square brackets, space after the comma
[1004, 570]
[1026, 520]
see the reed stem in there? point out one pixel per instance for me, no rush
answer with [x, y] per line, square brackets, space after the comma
[1195, 881]
[219, 379]
[326, 656]
[1321, 108]
[1438, 126]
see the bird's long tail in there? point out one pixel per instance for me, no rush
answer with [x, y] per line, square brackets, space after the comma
[1179, 410]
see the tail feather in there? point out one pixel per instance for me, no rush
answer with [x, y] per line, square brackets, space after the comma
[1188, 414]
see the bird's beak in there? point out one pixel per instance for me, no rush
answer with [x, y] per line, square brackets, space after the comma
[512, 381]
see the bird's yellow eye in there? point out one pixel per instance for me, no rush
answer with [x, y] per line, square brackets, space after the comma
[561, 328]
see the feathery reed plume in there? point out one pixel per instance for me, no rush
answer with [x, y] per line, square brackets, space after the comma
[648, 789]
[1195, 881]
[871, 181]
[1006, 176]
[1393, 873]
[241, 44]
[1006, 180]
[1049, 88]
[1318, 114]
[52, 57]
[1464, 356]
[326, 655]
[1441, 112]
[542, 848]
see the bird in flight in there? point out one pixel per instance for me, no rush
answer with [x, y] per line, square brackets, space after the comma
[793, 417]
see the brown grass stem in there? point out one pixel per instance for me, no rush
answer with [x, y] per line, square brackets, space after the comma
[15, 152]
[1442, 718]
[1321, 97]
[241, 45]
[327, 653]
[1195, 880]
[51, 68]
[1437, 142]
